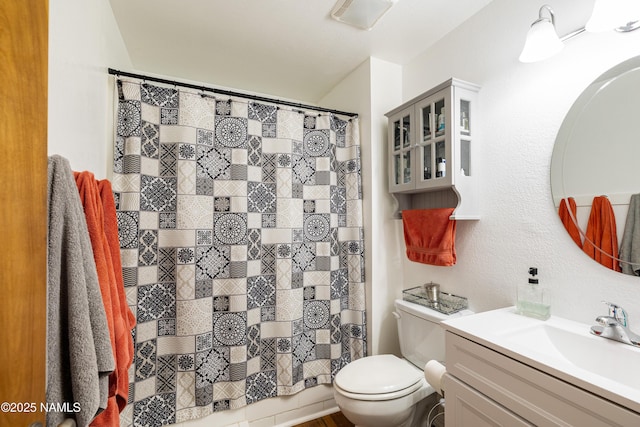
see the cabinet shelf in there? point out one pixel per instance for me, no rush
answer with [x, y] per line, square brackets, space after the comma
[432, 150]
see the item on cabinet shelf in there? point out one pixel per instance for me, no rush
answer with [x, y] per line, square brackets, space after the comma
[441, 121]
[427, 173]
[531, 298]
[464, 122]
[441, 172]
[447, 303]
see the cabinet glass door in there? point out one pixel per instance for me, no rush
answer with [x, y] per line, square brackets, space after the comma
[402, 133]
[433, 135]
[401, 150]
[397, 135]
[440, 145]
[406, 131]
[427, 118]
[465, 117]
[465, 140]
[441, 118]
[424, 154]
[427, 130]
[427, 162]
[465, 157]
[402, 168]
[397, 169]
[406, 167]
[441, 159]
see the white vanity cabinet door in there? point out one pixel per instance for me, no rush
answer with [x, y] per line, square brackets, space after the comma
[529, 393]
[466, 407]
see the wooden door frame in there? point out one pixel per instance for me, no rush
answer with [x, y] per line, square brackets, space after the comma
[23, 210]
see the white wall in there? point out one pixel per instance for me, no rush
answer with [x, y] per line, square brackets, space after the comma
[522, 108]
[84, 40]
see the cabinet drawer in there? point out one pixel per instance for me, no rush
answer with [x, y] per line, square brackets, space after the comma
[531, 394]
[467, 407]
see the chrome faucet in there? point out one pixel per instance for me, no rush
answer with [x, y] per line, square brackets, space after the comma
[615, 326]
[618, 313]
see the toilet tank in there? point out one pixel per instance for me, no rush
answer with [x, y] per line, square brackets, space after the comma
[420, 333]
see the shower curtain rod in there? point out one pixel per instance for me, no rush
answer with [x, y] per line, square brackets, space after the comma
[228, 92]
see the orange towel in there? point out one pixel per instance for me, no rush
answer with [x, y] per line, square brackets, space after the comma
[568, 217]
[101, 232]
[123, 339]
[430, 235]
[601, 232]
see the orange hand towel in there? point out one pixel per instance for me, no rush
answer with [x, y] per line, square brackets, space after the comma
[568, 217]
[601, 232]
[430, 235]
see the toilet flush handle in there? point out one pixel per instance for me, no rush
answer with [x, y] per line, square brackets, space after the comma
[396, 315]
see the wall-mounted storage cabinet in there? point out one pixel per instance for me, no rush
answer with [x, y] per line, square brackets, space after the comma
[433, 150]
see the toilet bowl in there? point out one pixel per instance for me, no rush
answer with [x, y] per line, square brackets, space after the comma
[380, 391]
[388, 391]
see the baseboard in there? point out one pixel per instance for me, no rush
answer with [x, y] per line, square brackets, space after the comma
[309, 417]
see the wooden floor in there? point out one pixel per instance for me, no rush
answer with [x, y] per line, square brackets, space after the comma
[331, 420]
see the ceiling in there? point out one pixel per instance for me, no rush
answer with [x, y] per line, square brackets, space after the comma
[284, 48]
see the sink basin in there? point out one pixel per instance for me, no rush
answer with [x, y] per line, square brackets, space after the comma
[560, 347]
[600, 356]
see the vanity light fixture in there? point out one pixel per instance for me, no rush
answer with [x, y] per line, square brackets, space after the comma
[542, 39]
[363, 14]
[620, 15]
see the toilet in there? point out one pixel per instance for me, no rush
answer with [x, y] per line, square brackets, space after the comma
[385, 390]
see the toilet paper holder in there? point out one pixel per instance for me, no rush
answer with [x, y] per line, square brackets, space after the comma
[434, 374]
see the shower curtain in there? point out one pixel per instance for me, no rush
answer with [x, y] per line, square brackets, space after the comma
[242, 248]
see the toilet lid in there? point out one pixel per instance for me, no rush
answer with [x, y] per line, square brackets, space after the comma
[379, 374]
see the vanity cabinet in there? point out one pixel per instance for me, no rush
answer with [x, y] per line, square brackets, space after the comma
[433, 149]
[487, 388]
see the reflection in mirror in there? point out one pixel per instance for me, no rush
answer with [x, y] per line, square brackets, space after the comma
[595, 169]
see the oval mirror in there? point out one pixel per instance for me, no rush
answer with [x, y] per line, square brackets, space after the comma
[597, 153]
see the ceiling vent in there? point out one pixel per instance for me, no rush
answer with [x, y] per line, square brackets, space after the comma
[362, 14]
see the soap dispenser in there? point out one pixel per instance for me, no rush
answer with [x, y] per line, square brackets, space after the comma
[531, 299]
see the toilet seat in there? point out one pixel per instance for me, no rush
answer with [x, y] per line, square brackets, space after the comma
[380, 377]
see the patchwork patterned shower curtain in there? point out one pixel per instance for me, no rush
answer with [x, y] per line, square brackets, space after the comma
[242, 249]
